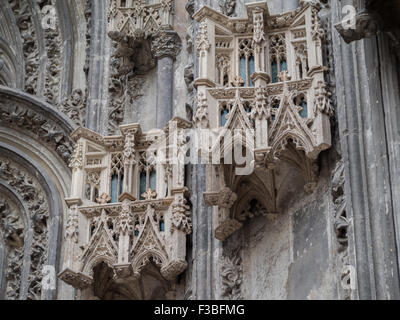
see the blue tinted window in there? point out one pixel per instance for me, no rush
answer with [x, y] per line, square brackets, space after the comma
[224, 113]
[251, 69]
[283, 65]
[242, 67]
[114, 188]
[274, 72]
[304, 111]
[153, 180]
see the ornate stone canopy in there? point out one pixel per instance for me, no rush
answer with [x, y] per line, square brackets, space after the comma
[132, 206]
[261, 88]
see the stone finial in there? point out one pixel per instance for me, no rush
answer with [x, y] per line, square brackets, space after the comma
[149, 194]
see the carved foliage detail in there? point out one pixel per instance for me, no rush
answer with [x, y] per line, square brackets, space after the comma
[31, 192]
[12, 228]
[341, 225]
[181, 215]
[232, 275]
[42, 127]
[23, 16]
[227, 7]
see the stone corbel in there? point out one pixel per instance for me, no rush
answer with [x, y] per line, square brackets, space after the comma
[367, 24]
[76, 279]
[135, 52]
[225, 225]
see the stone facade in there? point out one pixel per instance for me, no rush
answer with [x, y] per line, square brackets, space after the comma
[175, 149]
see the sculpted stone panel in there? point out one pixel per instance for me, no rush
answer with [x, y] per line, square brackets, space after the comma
[31, 192]
[232, 275]
[19, 115]
[342, 224]
[53, 43]
[23, 16]
[12, 228]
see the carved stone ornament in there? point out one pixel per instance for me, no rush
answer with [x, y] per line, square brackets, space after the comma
[202, 42]
[342, 225]
[149, 194]
[140, 15]
[232, 275]
[181, 215]
[227, 7]
[33, 195]
[49, 131]
[367, 24]
[133, 51]
[131, 229]
[275, 105]
[166, 43]
[201, 118]
[103, 199]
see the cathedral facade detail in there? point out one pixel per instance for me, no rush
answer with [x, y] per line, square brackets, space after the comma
[261, 81]
[199, 149]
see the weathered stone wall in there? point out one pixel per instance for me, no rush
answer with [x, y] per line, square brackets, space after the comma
[291, 256]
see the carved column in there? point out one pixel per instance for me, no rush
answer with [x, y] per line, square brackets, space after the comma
[166, 46]
[260, 79]
[77, 171]
[72, 250]
[125, 223]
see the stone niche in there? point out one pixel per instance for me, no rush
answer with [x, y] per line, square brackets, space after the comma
[261, 91]
[128, 214]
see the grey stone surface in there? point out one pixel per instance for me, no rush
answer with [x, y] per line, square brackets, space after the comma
[310, 252]
[164, 110]
[368, 185]
[96, 116]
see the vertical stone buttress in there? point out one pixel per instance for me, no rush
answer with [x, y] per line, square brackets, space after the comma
[369, 189]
